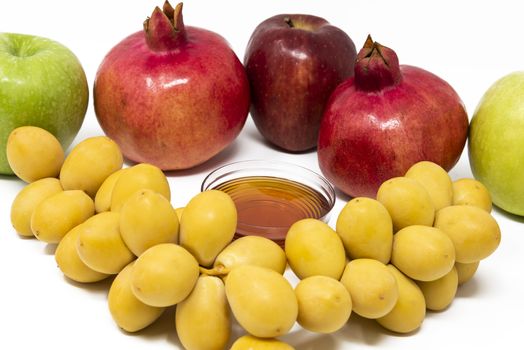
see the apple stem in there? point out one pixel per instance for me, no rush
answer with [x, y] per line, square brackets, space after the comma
[165, 29]
[376, 67]
[289, 22]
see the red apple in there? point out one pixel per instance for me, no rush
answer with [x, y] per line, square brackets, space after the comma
[293, 63]
[171, 95]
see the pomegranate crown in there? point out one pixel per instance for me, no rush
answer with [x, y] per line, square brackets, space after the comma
[376, 67]
[165, 29]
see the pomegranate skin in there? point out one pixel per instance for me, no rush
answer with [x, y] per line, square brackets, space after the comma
[174, 109]
[367, 137]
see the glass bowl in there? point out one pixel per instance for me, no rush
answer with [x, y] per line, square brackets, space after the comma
[271, 196]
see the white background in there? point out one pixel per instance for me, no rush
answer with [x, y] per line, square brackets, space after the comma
[469, 44]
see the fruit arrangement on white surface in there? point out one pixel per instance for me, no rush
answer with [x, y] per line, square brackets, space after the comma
[172, 97]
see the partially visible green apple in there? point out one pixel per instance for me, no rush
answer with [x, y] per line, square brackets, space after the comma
[496, 142]
[42, 83]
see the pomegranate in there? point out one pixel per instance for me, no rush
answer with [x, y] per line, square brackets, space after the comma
[385, 119]
[171, 95]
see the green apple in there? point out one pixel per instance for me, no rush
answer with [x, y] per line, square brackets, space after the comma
[496, 142]
[42, 83]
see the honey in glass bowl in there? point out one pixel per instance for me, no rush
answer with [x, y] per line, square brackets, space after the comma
[271, 196]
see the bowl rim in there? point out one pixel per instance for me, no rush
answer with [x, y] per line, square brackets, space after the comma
[328, 190]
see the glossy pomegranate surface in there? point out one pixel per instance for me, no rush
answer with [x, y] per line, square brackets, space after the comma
[385, 119]
[171, 95]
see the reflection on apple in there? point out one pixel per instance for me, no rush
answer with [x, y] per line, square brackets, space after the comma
[496, 142]
[42, 84]
[294, 62]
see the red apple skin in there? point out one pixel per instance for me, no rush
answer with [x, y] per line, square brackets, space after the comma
[292, 72]
[172, 109]
[359, 150]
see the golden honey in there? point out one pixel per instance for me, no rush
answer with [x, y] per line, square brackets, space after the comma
[267, 206]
